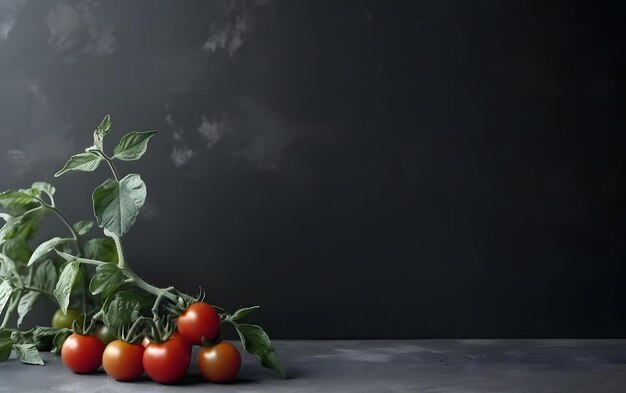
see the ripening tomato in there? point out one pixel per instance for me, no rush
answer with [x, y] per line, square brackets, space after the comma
[219, 363]
[82, 354]
[105, 335]
[167, 362]
[64, 321]
[123, 361]
[197, 321]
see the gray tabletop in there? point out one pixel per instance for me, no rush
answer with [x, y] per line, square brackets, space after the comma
[443, 366]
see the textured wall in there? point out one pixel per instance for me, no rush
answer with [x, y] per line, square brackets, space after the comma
[358, 168]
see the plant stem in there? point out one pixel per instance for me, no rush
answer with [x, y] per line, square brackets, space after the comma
[11, 309]
[121, 260]
[110, 162]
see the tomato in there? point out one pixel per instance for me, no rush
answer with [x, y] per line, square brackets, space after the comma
[167, 362]
[219, 363]
[61, 321]
[199, 320]
[105, 335]
[82, 354]
[123, 361]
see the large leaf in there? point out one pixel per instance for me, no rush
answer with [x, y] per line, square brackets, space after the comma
[101, 249]
[133, 145]
[123, 308]
[84, 162]
[117, 204]
[28, 354]
[258, 343]
[5, 349]
[17, 249]
[64, 286]
[7, 266]
[45, 276]
[5, 293]
[43, 337]
[46, 247]
[100, 133]
[27, 302]
[16, 198]
[106, 279]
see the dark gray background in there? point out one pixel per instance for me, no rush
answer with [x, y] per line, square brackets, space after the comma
[358, 168]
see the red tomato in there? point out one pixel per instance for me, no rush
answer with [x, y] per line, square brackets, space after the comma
[123, 361]
[199, 320]
[82, 354]
[167, 362]
[219, 363]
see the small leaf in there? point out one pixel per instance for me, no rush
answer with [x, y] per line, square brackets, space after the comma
[133, 145]
[28, 354]
[82, 227]
[43, 337]
[44, 187]
[5, 293]
[242, 312]
[64, 286]
[100, 133]
[84, 162]
[59, 339]
[5, 349]
[101, 249]
[45, 276]
[107, 278]
[27, 302]
[257, 342]
[117, 204]
[45, 248]
[123, 308]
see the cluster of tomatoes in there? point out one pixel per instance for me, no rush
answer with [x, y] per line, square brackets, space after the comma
[165, 362]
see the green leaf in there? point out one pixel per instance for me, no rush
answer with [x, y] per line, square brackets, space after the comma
[45, 276]
[5, 349]
[43, 337]
[117, 204]
[100, 133]
[59, 339]
[5, 293]
[27, 302]
[242, 312]
[84, 162]
[123, 308]
[28, 354]
[43, 187]
[64, 286]
[101, 249]
[82, 227]
[133, 145]
[16, 198]
[106, 279]
[257, 342]
[46, 247]
[7, 266]
[17, 249]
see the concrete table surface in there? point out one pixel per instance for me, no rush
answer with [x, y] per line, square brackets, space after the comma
[444, 366]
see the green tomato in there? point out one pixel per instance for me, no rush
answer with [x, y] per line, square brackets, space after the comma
[60, 321]
[105, 334]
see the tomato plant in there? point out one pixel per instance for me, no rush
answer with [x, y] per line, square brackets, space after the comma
[123, 361]
[219, 363]
[197, 321]
[167, 362]
[115, 296]
[82, 353]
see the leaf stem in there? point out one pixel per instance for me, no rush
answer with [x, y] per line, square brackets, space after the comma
[109, 161]
[121, 260]
[11, 309]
